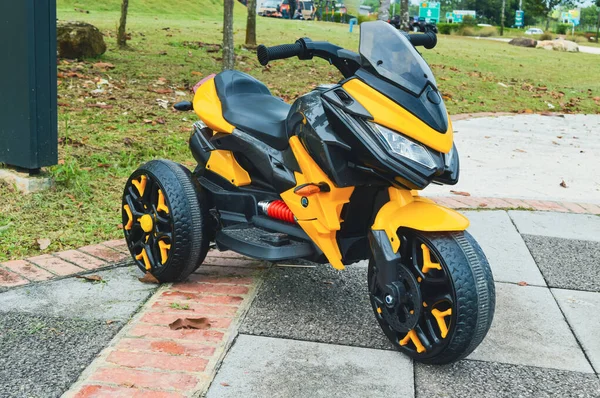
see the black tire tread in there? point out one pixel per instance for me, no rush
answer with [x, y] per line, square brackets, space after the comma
[190, 244]
[474, 291]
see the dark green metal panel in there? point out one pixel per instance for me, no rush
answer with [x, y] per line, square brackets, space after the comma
[28, 115]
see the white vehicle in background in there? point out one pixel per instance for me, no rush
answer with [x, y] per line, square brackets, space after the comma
[534, 31]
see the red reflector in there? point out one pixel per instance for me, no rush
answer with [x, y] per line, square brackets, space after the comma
[201, 82]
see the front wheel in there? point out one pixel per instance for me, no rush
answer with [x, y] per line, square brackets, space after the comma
[437, 302]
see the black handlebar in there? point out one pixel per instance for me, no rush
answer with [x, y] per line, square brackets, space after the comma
[266, 54]
[427, 40]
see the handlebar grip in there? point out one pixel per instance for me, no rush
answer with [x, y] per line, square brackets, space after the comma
[427, 40]
[266, 54]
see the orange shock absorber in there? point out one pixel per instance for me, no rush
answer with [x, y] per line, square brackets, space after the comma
[277, 209]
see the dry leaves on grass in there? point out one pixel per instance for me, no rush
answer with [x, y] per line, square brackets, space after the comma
[90, 278]
[149, 278]
[43, 243]
[190, 323]
[461, 193]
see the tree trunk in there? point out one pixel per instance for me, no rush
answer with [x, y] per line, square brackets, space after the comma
[502, 18]
[384, 10]
[122, 34]
[547, 23]
[598, 25]
[228, 53]
[251, 24]
[404, 17]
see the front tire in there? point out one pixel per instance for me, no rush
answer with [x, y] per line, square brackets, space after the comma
[446, 301]
[165, 220]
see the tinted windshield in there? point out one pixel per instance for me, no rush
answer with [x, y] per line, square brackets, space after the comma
[393, 57]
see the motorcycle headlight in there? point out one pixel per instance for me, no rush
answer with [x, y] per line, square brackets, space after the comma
[404, 147]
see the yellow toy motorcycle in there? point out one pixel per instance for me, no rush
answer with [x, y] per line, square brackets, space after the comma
[332, 178]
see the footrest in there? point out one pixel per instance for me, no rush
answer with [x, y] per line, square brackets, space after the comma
[252, 241]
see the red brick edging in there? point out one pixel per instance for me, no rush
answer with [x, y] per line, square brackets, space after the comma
[70, 262]
[148, 359]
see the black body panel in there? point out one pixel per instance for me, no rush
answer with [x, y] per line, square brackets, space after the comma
[248, 104]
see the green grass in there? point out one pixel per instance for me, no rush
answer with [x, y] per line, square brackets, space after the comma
[101, 146]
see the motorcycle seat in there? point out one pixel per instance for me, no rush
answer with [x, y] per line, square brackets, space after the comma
[248, 105]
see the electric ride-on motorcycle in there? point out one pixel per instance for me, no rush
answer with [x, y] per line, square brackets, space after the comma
[333, 178]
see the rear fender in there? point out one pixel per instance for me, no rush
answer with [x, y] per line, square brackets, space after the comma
[407, 209]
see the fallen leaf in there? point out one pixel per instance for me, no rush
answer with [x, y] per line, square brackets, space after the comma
[162, 53]
[90, 278]
[44, 243]
[519, 150]
[99, 105]
[522, 283]
[194, 73]
[108, 322]
[103, 165]
[190, 323]
[482, 204]
[563, 184]
[149, 278]
[224, 384]
[119, 226]
[103, 65]
[461, 193]
[61, 161]
[527, 111]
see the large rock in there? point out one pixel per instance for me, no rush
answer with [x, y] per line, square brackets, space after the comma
[523, 42]
[558, 45]
[76, 40]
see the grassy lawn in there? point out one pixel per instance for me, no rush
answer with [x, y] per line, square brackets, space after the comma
[111, 119]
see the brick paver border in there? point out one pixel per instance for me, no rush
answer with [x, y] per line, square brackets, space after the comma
[148, 359]
[71, 262]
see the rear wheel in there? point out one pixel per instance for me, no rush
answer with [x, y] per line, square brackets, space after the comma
[441, 304]
[165, 220]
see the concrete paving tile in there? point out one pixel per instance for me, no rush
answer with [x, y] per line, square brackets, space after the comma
[42, 356]
[269, 367]
[529, 329]
[581, 311]
[116, 298]
[467, 379]
[566, 263]
[507, 253]
[558, 225]
[317, 304]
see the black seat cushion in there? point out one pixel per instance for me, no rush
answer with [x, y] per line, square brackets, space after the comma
[248, 105]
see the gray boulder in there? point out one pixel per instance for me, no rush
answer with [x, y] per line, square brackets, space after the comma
[523, 42]
[77, 40]
[559, 45]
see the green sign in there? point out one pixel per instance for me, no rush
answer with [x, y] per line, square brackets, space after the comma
[456, 16]
[519, 18]
[430, 11]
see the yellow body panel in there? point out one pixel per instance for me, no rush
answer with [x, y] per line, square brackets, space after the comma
[406, 209]
[320, 219]
[389, 114]
[224, 164]
[208, 108]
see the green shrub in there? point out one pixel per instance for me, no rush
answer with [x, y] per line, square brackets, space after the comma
[467, 31]
[546, 36]
[562, 28]
[468, 20]
[446, 28]
[488, 31]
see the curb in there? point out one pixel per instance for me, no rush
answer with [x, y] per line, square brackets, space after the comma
[146, 358]
[95, 257]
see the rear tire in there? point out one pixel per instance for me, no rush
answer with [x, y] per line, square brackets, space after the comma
[165, 220]
[455, 302]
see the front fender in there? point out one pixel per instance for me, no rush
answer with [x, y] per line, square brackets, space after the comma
[408, 210]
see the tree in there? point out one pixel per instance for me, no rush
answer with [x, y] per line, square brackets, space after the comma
[228, 52]
[404, 16]
[598, 22]
[122, 34]
[251, 24]
[384, 10]
[543, 8]
[502, 18]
